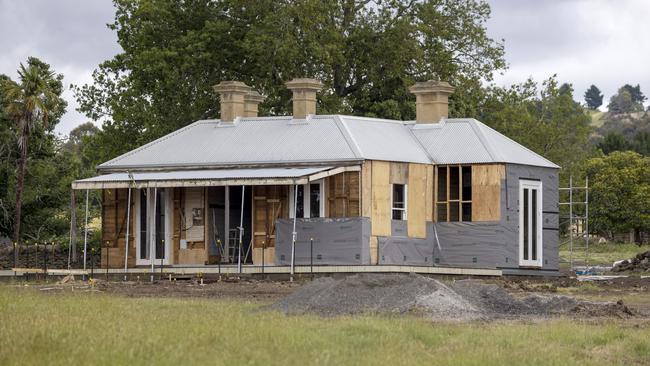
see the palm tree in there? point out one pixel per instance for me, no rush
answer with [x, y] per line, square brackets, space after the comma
[29, 103]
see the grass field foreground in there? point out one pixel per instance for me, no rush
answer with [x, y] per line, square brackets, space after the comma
[92, 328]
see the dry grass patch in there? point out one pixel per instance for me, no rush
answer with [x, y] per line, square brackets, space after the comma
[98, 329]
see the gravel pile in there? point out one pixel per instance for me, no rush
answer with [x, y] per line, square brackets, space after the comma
[640, 263]
[458, 301]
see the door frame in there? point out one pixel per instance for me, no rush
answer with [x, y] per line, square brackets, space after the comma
[168, 225]
[536, 185]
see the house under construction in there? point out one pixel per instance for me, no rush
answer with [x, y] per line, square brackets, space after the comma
[330, 190]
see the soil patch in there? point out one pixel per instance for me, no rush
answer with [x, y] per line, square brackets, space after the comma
[240, 289]
[456, 301]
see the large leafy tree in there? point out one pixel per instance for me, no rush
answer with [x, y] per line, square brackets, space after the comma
[366, 52]
[628, 99]
[620, 193]
[544, 118]
[31, 104]
[593, 97]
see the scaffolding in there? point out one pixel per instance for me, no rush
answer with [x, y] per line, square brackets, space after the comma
[577, 220]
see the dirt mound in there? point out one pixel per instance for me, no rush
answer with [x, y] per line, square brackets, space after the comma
[640, 263]
[460, 300]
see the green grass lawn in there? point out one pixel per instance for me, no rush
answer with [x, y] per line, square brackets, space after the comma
[93, 328]
[604, 254]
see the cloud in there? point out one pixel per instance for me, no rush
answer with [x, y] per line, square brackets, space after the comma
[584, 42]
[70, 35]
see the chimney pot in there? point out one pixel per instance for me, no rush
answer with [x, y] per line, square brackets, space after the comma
[431, 100]
[251, 103]
[232, 95]
[304, 96]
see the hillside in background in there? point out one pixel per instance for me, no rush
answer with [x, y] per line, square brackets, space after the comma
[620, 132]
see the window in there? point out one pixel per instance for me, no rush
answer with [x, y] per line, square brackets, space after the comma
[453, 193]
[399, 202]
[309, 200]
[530, 217]
[158, 220]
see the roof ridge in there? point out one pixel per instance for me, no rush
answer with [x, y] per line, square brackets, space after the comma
[156, 141]
[347, 135]
[481, 137]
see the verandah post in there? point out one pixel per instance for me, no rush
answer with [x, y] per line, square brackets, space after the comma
[241, 228]
[85, 235]
[294, 234]
[126, 238]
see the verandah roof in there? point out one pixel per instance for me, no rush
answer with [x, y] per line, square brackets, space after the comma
[204, 178]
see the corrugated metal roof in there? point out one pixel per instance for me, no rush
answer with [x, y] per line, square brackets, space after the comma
[468, 141]
[247, 141]
[325, 139]
[216, 175]
[381, 139]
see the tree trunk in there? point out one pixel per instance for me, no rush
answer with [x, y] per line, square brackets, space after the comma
[637, 236]
[20, 185]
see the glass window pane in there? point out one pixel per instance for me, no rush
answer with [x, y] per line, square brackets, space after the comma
[160, 224]
[442, 212]
[467, 211]
[467, 183]
[314, 200]
[533, 224]
[454, 211]
[144, 246]
[442, 183]
[454, 182]
[398, 196]
[398, 215]
[300, 202]
[525, 228]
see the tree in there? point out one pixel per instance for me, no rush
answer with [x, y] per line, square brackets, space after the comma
[635, 93]
[366, 52]
[593, 97]
[614, 141]
[31, 104]
[543, 118]
[626, 101]
[619, 193]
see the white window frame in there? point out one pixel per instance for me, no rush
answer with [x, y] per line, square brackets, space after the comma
[307, 199]
[537, 185]
[405, 209]
[168, 225]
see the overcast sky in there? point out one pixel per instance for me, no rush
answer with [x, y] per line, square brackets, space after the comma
[584, 42]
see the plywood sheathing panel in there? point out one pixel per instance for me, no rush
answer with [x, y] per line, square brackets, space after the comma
[417, 200]
[399, 173]
[270, 203]
[381, 218]
[269, 256]
[343, 195]
[429, 194]
[486, 192]
[366, 189]
[114, 212]
[373, 250]
[191, 256]
[194, 199]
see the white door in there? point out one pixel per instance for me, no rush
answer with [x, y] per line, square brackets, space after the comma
[530, 223]
[153, 214]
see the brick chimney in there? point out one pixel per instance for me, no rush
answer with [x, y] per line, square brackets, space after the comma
[304, 96]
[431, 100]
[251, 102]
[232, 94]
